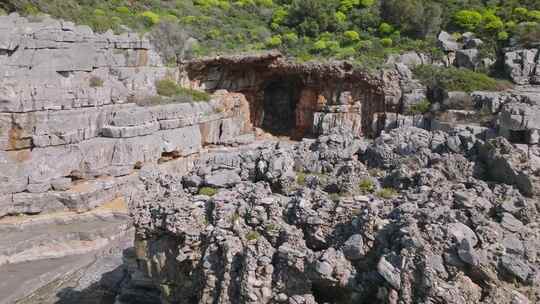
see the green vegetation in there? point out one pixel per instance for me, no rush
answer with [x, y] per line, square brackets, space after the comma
[420, 108]
[335, 197]
[96, 82]
[456, 79]
[366, 185]
[363, 31]
[252, 235]
[387, 193]
[170, 88]
[301, 178]
[208, 191]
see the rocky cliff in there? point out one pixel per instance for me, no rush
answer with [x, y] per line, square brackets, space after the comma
[370, 209]
[78, 118]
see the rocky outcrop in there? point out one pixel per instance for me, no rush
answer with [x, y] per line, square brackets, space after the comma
[67, 116]
[523, 65]
[405, 219]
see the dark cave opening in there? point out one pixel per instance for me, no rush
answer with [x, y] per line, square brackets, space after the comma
[329, 294]
[518, 136]
[279, 106]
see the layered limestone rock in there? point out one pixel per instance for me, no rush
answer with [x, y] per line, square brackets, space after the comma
[67, 115]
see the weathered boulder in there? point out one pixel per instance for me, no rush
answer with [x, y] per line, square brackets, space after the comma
[522, 66]
[447, 42]
[468, 58]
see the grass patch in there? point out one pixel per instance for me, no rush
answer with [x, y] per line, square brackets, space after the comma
[96, 82]
[208, 191]
[387, 193]
[420, 108]
[169, 88]
[367, 185]
[301, 178]
[252, 235]
[458, 79]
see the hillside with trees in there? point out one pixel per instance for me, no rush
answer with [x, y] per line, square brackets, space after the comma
[362, 31]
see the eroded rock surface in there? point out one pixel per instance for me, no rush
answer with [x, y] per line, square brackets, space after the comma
[413, 217]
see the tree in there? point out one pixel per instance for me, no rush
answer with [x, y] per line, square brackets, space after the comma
[312, 17]
[468, 19]
[417, 18]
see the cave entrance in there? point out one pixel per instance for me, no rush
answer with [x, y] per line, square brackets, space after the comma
[279, 105]
[518, 136]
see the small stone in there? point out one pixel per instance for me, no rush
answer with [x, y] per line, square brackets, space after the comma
[467, 254]
[511, 223]
[354, 247]
[515, 267]
[390, 273]
[38, 188]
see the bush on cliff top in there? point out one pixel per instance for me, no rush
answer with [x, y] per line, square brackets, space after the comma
[456, 79]
[360, 31]
[169, 88]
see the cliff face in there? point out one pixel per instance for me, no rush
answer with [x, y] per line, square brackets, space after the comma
[67, 115]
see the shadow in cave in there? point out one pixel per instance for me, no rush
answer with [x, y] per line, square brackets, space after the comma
[280, 100]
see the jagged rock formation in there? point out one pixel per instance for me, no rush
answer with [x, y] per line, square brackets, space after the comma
[310, 223]
[414, 216]
[523, 65]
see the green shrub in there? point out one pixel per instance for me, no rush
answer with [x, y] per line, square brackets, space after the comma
[492, 22]
[456, 79]
[468, 19]
[340, 17]
[367, 185]
[503, 36]
[99, 12]
[252, 235]
[387, 193]
[274, 41]
[195, 95]
[150, 18]
[385, 29]
[387, 42]
[301, 178]
[122, 10]
[420, 108]
[2, 12]
[167, 87]
[208, 191]
[367, 3]
[96, 82]
[30, 10]
[351, 36]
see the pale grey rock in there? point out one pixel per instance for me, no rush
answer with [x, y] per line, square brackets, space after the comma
[134, 131]
[61, 184]
[390, 273]
[354, 247]
[447, 42]
[520, 65]
[222, 179]
[462, 232]
[468, 58]
[515, 267]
